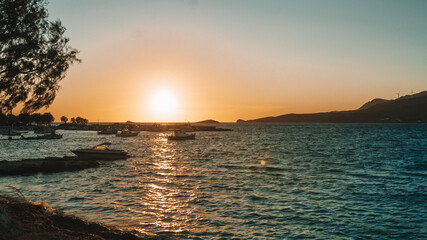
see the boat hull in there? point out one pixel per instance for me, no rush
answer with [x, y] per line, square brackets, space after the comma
[100, 155]
[127, 134]
[56, 136]
[189, 137]
[107, 132]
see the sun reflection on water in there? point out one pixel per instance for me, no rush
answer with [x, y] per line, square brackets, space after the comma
[162, 199]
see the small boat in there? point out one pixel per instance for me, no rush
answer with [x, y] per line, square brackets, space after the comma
[101, 152]
[51, 135]
[107, 131]
[10, 132]
[181, 135]
[43, 130]
[127, 133]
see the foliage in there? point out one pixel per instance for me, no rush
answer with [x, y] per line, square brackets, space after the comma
[3, 119]
[26, 119]
[64, 119]
[47, 118]
[80, 120]
[34, 55]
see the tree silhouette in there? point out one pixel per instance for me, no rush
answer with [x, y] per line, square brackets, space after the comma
[3, 119]
[34, 55]
[64, 119]
[24, 118]
[36, 118]
[80, 120]
[73, 120]
[47, 118]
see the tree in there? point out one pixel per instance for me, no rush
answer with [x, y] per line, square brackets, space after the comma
[80, 120]
[34, 55]
[24, 118]
[64, 119]
[3, 119]
[73, 120]
[47, 118]
[12, 120]
[36, 118]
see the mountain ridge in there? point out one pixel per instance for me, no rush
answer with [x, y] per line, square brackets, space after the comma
[409, 108]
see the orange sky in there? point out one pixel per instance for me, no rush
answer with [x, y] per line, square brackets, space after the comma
[226, 60]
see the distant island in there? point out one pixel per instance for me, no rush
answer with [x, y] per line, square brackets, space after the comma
[210, 121]
[407, 109]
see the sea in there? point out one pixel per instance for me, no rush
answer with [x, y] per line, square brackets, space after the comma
[259, 181]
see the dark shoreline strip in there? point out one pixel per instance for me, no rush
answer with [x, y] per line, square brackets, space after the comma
[45, 165]
[21, 219]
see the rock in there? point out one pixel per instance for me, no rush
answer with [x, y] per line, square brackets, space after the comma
[4, 219]
[45, 165]
[29, 222]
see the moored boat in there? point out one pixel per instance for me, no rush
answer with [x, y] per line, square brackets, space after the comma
[47, 136]
[127, 133]
[43, 130]
[107, 131]
[10, 132]
[101, 152]
[51, 135]
[181, 135]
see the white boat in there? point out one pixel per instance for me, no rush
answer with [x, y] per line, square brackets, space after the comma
[51, 135]
[181, 135]
[101, 152]
[107, 131]
[10, 132]
[127, 133]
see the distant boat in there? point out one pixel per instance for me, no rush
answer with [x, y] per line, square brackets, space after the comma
[181, 135]
[107, 131]
[127, 133]
[156, 128]
[10, 132]
[101, 152]
[43, 130]
[51, 135]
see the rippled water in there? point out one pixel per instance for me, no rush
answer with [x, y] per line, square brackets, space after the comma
[322, 181]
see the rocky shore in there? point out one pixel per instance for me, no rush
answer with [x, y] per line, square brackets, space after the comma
[45, 165]
[22, 220]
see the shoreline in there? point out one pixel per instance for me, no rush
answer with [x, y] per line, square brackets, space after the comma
[45, 165]
[22, 219]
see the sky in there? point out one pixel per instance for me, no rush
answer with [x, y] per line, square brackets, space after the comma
[190, 60]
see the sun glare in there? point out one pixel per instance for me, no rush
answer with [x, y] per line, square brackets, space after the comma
[163, 104]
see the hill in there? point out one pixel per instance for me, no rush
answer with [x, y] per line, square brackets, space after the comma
[210, 121]
[379, 100]
[410, 108]
[372, 103]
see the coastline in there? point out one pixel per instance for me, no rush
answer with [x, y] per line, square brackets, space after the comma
[45, 165]
[21, 219]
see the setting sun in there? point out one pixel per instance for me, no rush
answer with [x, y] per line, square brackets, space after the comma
[163, 104]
